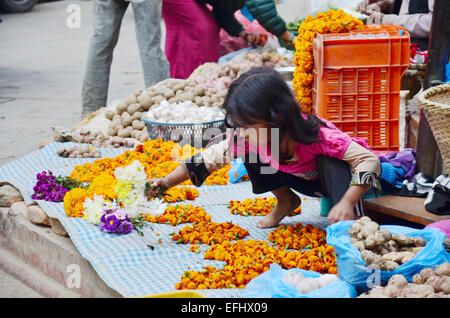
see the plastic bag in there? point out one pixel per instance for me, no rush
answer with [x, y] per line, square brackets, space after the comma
[352, 268]
[271, 285]
[237, 170]
[230, 43]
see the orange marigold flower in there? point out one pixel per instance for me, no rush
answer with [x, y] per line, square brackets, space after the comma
[73, 202]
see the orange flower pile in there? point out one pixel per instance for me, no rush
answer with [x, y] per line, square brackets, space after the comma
[103, 185]
[158, 158]
[257, 206]
[179, 214]
[220, 177]
[297, 237]
[178, 194]
[333, 21]
[73, 202]
[246, 260]
[209, 233]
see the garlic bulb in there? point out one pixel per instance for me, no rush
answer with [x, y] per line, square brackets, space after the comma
[183, 112]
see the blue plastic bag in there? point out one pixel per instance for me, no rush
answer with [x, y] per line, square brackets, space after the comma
[237, 170]
[271, 285]
[352, 268]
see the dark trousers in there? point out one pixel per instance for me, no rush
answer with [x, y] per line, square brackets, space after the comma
[334, 177]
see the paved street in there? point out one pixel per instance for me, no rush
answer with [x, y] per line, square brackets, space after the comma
[42, 63]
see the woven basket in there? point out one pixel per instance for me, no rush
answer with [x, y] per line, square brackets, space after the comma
[195, 134]
[435, 103]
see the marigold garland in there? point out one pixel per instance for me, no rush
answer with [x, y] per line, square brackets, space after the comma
[158, 157]
[258, 206]
[73, 202]
[209, 233]
[178, 194]
[246, 260]
[297, 237]
[332, 21]
[179, 214]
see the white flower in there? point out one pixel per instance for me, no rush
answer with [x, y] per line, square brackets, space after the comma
[130, 188]
[93, 209]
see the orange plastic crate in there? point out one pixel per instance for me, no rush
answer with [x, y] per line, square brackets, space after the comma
[357, 77]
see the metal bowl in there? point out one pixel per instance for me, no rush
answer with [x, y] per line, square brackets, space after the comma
[194, 134]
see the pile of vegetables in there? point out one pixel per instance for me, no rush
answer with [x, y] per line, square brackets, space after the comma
[82, 151]
[221, 77]
[183, 112]
[429, 283]
[379, 248]
[308, 284]
[126, 121]
[98, 139]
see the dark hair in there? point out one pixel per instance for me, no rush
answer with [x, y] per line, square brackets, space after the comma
[262, 96]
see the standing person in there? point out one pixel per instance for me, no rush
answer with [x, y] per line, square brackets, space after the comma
[193, 29]
[315, 158]
[414, 15]
[107, 18]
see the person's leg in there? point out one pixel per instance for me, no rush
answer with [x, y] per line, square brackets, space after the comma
[107, 18]
[335, 176]
[147, 17]
[280, 184]
[192, 36]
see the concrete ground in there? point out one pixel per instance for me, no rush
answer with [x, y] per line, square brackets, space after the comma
[42, 63]
[10, 287]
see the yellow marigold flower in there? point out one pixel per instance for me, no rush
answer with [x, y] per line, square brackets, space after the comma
[332, 21]
[73, 202]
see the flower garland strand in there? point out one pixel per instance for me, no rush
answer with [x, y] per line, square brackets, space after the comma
[332, 21]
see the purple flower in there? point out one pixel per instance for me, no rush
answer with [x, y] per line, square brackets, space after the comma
[111, 223]
[125, 227]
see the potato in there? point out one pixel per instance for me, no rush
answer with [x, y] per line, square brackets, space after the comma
[191, 83]
[137, 115]
[133, 108]
[160, 89]
[206, 100]
[169, 93]
[197, 100]
[189, 96]
[158, 99]
[126, 120]
[138, 92]
[109, 114]
[199, 90]
[130, 100]
[146, 102]
[172, 100]
[137, 124]
[179, 92]
[121, 108]
[125, 133]
[112, 132]
[179, 86]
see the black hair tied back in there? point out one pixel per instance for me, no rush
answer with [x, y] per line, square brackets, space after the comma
[262, 96]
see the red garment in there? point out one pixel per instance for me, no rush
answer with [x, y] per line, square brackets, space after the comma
[192, 36]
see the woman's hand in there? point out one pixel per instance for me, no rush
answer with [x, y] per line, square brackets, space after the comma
[289, 38]
[343, 210]
[254, 39]
[155, 183]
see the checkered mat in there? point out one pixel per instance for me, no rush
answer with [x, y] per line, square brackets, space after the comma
[126, 263]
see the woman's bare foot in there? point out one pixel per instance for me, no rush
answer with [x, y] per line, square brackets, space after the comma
[288, 203]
